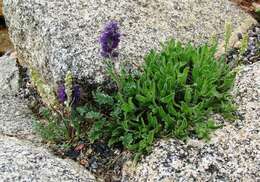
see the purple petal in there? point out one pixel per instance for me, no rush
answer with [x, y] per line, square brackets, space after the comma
[62, 96]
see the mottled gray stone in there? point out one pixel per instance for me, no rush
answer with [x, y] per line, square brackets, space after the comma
[21, 161]
[57, 36]
[232, 154]
[15, 116]
[8, 76]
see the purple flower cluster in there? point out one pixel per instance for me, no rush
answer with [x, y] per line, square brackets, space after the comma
[110, 39]
[76, 94]
[62, 96]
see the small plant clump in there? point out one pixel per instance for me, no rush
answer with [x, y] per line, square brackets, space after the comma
[64, 121]
[173, 95]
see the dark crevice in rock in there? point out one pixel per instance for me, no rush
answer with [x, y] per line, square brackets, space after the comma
[2, 22]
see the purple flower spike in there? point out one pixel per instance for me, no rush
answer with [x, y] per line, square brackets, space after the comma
[110, 39]
[62, 96]
[76, 94]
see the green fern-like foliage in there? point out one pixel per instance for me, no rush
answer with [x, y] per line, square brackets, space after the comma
[174, 95]
[52, 130]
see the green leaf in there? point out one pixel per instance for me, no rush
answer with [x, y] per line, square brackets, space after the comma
[103, 99]
[143, 144]
[96, 131]
[168, 99]
[211, 125]
[45, 112]
[93, 115]
[188, 95]
[141, 99]
[125, 125]
[153, 123]
[128, 106]
[82, 110]
[127, 139]
[113, 140]
[150, 137]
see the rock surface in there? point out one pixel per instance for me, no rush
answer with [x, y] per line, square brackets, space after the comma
[232, 154]
[21, 156]
[57, 36]
[20, 161]
[9, 76]
[5, 42]
[15, 117]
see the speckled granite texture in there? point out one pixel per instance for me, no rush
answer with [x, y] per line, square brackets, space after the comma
[21, 161]
[232, 154]
[8, 76]
[57, 36]
[22, 156]
[15, 117]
